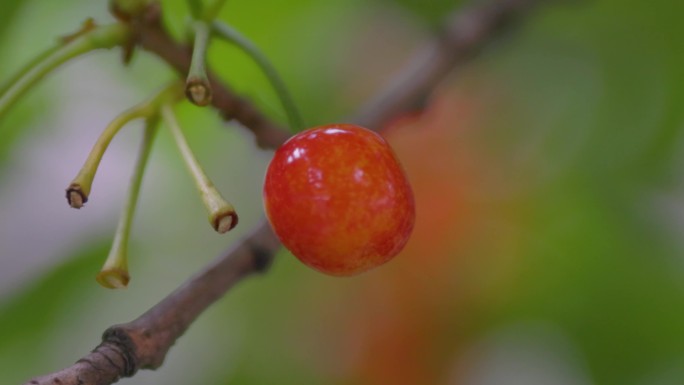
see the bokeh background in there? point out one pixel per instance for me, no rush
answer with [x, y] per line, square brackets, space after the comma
[548, 173]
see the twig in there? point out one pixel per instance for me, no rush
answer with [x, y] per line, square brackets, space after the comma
[465, 33]
[144, 342]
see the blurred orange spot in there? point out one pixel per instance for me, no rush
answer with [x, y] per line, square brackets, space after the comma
[441, 167]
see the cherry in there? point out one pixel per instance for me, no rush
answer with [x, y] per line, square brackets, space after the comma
[338, 199]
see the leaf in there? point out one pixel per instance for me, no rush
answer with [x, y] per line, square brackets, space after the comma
[29, 320]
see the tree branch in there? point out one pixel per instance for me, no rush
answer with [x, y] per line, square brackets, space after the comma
[144, 342]
[465, 33]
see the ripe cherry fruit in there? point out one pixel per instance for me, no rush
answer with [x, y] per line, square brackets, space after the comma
[338, 199]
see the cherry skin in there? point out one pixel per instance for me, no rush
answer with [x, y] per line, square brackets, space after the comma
[338, 199]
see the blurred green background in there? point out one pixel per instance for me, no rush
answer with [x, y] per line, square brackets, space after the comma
[548, 175]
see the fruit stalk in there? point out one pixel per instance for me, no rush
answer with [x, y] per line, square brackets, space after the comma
[78, 191]
[222, 215]
[213, 10]
[114, 273]
[235, 37]
[197, 85]
[107, 36]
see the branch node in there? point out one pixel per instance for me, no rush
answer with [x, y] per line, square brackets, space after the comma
[262, 257]
[120, 341]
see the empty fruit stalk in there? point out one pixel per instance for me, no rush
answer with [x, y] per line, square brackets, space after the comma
[79, 190]
[91, 37]
[114, 273]
[197, 86]
[222, 215]
[201, 12]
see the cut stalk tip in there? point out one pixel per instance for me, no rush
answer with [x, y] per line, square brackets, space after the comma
[225, 222]
[198, 91]
[76, 197]
[113, 278]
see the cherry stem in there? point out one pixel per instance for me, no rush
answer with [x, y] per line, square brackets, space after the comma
[222, 215]
[114, 273]
[213, 10]
[79, 189]
[97, 37]
[200, 12]
[235, 37]
[197, 86]
[196, 8]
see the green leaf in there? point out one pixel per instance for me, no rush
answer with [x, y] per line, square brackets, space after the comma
[31, 318]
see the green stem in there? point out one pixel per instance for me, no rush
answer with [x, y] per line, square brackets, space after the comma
[222, 215]
[28, 67]
[100, 37]
[79, 190]
[196, 8]
[235, 37]
[213, 10]
[114, 273]
[197, 86]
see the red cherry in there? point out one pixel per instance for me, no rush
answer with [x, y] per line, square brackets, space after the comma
[338, 199]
